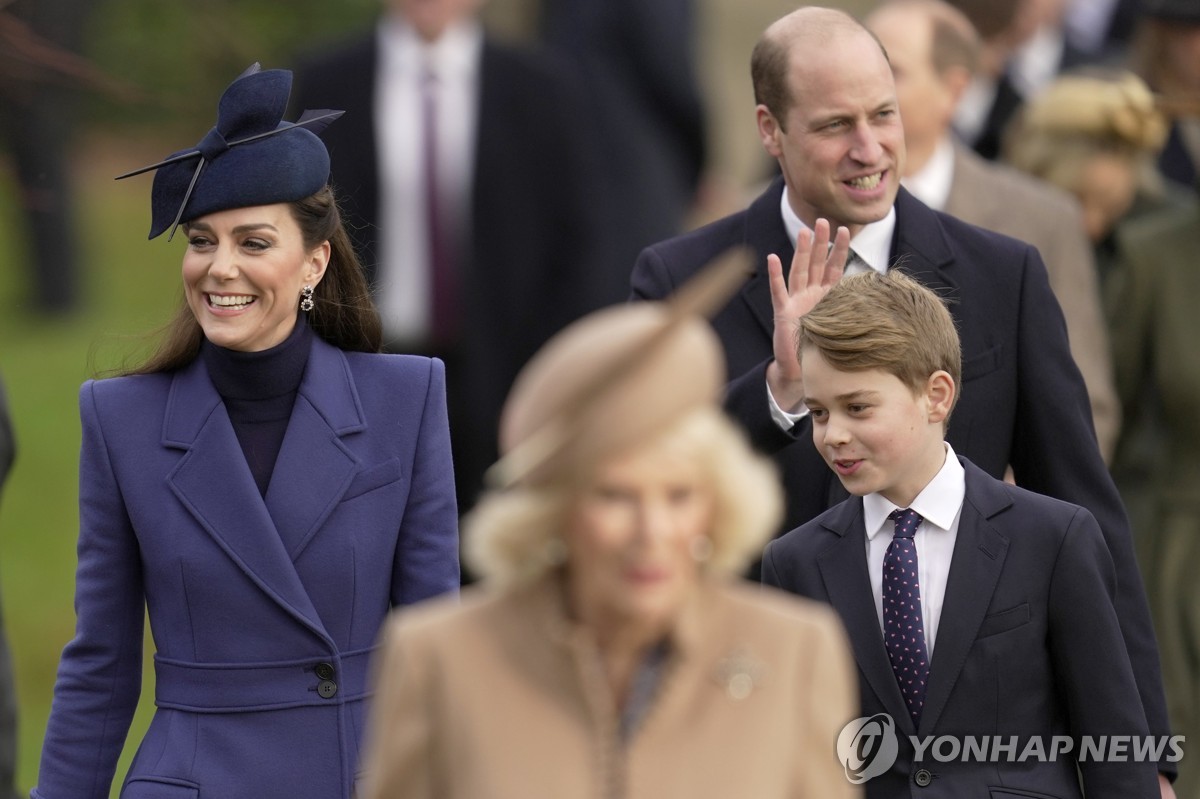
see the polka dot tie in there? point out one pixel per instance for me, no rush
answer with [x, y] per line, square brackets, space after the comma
[903, 624]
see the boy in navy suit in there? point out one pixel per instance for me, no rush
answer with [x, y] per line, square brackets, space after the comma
[975, 608]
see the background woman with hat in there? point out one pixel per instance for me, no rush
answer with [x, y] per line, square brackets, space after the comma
[265, 486]
[1094, 133]
[1166, 53]
[611, 650]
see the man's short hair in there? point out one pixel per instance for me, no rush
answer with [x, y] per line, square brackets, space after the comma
[884, 321]
[955, 42]
[771, 57]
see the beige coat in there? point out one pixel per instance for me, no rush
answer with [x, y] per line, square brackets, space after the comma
[500, 698]
[1000, 198]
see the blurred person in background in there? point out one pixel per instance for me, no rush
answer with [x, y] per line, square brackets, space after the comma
[1166, 53]
[611, 649]
[1154, 333]
[1095, 134]
[8, 696]
[41, 77]
[1024, 47]
[637, 69]
[1102, 27]
[468, 174]
[934, 52]
[265, 487]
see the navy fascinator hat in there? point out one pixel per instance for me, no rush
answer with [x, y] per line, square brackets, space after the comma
[251, 157]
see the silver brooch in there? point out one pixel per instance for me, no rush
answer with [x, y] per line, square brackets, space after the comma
[739, 673]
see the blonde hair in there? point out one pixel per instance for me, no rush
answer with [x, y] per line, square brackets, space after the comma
[1081, 115]
[514, 536]
[884, 321]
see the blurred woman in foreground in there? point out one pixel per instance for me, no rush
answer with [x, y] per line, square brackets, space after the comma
[610, 650]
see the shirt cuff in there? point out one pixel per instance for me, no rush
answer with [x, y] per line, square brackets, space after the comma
[786, 421]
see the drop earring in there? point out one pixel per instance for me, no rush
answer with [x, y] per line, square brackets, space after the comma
[306, 298]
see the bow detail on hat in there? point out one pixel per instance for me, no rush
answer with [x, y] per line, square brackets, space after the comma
[212, 145]
[250, 110]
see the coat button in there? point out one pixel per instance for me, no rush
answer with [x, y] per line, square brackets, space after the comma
[922, 777]
[327, 689]
[324, 671]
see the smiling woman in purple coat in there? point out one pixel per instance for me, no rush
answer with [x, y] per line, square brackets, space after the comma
[266, 486]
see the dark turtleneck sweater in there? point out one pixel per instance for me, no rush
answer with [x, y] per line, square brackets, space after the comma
[259, 390]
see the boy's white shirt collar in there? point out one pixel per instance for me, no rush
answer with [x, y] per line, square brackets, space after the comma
[938, 503]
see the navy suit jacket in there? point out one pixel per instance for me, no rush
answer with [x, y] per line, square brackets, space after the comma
[264, 610]
[528, 267]
[1028, 643]
[1022, 400]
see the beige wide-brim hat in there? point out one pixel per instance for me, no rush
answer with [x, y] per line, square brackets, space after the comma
[615, 378]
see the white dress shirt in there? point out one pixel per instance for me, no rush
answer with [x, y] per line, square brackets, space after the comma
[940, 505]
[873, 245]
[932, 184]
[404, 285]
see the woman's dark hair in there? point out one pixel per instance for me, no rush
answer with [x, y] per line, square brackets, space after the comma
[342, 313]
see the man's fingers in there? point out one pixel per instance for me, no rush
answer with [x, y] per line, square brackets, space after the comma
[798, 277]
[820, 253]
[779, 289]
[838, 256]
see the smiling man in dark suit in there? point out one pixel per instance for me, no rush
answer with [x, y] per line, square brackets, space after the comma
[828, 113]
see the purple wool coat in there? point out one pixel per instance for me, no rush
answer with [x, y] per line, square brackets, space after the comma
[264, 611]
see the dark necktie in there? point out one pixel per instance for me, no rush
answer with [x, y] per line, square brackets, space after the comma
[855, 264]
[903, 623]
[442, 275]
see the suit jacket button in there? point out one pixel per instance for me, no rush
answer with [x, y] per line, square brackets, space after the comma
[327, 689]
[922, 777]
[324, 671]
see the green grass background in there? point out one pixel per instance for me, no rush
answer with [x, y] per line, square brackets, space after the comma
[129, 287]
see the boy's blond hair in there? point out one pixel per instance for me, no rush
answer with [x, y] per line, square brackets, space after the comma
[885, 321]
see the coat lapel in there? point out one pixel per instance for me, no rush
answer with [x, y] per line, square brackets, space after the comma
[920, 247]
[312, 473]
[766, 233]
[314, 467]
[979, 553]
[843, 568]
